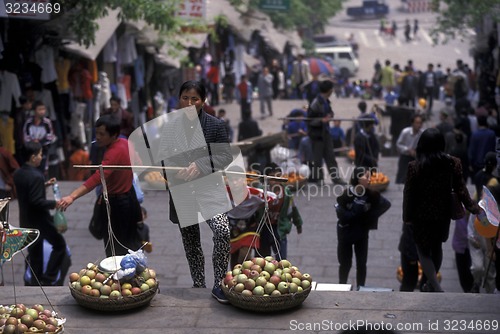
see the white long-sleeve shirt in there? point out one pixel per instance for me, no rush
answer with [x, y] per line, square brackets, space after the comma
[408, 140]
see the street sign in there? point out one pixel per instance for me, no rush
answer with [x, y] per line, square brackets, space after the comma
[274, 4]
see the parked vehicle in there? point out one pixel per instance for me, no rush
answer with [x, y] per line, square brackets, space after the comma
[369, 8]
[341, 57]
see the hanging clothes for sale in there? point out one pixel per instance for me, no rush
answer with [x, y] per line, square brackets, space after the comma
[80, 81]
[63, 66]
[127, 52]
[9, 88]
[44, 57]
[110, 50]
[7, 133]
[139, 72]
[105, 91]
[92, 66]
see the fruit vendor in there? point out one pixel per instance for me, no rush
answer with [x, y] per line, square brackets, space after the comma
[125, 208]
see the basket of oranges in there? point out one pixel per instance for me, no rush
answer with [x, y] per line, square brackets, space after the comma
[379, 181]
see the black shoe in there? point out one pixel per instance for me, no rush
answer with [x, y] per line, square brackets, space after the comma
[218, 294]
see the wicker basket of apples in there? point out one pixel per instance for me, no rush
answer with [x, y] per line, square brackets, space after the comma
[266, 285]
[20, 318]
[110, 287]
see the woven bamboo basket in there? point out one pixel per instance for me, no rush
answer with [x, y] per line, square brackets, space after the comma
[265, 303]
[112, 305]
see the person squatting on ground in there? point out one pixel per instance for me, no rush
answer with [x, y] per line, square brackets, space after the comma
[192, 194]
[358, 210]
[124, 206]
[426, 201]
[34, 212]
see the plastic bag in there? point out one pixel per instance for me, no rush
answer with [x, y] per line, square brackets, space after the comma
[60, 221]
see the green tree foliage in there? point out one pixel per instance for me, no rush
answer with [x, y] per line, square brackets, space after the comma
[82, 13]
[304, 15]
[456, 16]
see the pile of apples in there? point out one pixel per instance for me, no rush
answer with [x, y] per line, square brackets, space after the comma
[266, 277]
[93, 282]
[22, 319]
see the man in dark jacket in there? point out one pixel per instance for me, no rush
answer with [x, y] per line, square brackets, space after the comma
[320, 114]
[34, 213]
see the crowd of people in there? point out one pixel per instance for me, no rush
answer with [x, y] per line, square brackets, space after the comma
[432, 161]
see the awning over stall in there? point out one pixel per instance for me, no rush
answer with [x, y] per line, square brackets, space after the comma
[106, 27]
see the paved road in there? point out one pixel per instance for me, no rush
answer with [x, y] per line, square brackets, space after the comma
[313, 251]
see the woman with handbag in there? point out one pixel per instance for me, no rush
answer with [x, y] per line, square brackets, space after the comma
[433, 179]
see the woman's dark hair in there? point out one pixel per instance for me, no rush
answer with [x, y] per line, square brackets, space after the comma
[357, 173]
[430, 148]
[111, 124]
[31, 148]
[197, 86]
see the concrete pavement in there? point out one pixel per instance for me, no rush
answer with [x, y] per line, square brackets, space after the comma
[314, 251]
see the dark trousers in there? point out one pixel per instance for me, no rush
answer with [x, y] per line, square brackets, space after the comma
[214, 94]
[125, 213]
[349, 237]
[271, 242]
[56, 260]
[410, 273]
[403, 162]
[245, 108]
[323, 149]
[463, 263]
[429, 96]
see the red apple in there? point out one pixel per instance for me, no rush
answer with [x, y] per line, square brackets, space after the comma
[136, 290]
[21, 328]
[86, 289]
[246, 272]
[40, 324]
[275, 279]
[249, 284]
[27, 320]
[73, 277]
[254, 274]
[126, 292]
[50, 328]
[99, 277]
[261, 262]
[256, 267]
[17, 312]
[95, 292]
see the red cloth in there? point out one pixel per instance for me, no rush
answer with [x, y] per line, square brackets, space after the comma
[213, 74]
[117, 181]
[243, 89]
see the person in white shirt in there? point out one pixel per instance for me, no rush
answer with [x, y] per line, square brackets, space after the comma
[407, 144]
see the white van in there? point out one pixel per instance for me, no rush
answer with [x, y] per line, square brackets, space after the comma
[341, 56]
